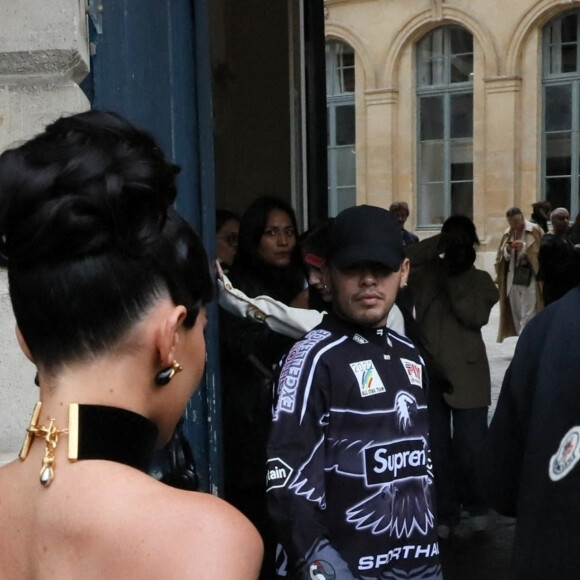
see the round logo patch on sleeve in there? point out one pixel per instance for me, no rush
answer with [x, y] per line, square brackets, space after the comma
[567, 455]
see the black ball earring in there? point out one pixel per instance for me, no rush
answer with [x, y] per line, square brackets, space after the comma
[166, 374]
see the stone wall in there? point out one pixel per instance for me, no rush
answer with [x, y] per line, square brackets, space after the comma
[44, 54]
[506, 88]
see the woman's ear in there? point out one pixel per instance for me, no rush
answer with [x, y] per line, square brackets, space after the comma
[169, 334]
[23, 345]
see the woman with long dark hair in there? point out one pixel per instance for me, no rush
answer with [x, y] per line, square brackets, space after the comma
[267, 263]
[108, 286]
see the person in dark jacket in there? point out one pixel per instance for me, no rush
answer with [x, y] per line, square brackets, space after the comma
[400, 210]
[267, 263]
[531, 455]
[540, 214]
[227, 226]
[575, 231]
[559, 258]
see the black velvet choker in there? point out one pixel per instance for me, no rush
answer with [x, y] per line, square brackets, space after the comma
[96, 432]
[117, 435]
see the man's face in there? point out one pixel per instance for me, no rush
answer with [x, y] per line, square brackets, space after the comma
[560, 221]
[517, 222]
[366, 293]
[401, 216]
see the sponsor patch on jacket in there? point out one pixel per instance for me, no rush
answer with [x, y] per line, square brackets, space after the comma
[321, 570]
[292, 370]
[360, 339]
[414, 371]
[568, 454]
[278, 473]
[369, 381]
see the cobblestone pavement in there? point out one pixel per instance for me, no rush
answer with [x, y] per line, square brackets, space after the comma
[469, 555]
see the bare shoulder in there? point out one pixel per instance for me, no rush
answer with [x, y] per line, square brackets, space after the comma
[201, 535]
[115, 522]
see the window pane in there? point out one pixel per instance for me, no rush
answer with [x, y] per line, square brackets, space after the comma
[462, 172]
[461, 40]
[346, 68]
[558, 154]
[330, 68]
[569, 28]
[461, 115]
[344, 116]
[431, 204]
[432, 161]
[462, 198]
[431, 118]
[558, 108]
[558, 191]
[345, 166]
[569, 63]
[554, 60]
[461, 68]
[345, 197]
[431, 59]
[339, 69]
[461, 152]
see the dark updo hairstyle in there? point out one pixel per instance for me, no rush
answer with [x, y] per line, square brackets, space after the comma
[284, 283]
[90, 237]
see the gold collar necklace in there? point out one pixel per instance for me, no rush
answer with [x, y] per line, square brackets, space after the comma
[51, 435]
[94, 432]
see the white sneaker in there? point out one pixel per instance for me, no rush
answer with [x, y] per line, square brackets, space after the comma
[443, 531]
[479, 523]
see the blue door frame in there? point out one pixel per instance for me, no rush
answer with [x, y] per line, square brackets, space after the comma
[151, 64]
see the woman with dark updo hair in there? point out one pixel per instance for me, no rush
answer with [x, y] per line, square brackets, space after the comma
[108, 285]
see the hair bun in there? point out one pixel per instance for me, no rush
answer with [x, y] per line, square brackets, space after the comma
[91, 183]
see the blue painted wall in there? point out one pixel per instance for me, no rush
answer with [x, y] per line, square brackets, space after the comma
[151, 64]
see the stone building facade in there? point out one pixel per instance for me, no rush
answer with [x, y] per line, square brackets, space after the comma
[460, 106]
[44, 54]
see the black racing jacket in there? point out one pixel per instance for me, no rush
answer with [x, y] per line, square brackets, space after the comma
[350, 481]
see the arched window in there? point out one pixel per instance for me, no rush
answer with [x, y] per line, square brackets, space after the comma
[341, 126]
[561, 111]
[445, 125]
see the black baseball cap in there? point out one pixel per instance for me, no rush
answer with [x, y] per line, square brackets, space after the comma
[366, 233]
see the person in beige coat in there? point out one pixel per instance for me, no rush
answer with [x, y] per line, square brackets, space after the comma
[453, 301]
[518, 303]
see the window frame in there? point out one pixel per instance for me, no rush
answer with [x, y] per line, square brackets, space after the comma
[554, 79]
[447, 90]
[334, 100]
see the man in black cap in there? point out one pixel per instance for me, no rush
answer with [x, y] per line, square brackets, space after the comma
[349, 473]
